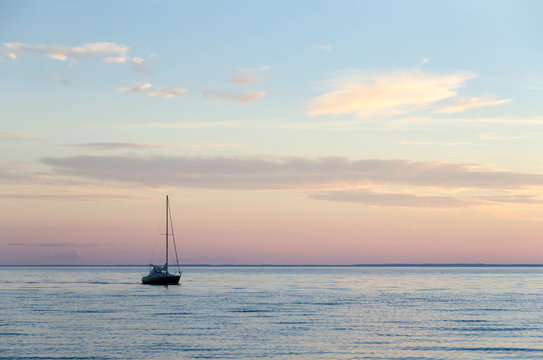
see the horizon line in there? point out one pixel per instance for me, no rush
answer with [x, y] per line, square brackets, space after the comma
[296, 265]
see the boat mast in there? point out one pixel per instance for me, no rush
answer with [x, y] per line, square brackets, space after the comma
[167, 207]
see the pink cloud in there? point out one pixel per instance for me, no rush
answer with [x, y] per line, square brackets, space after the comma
[222, 95]
[136, 88]
[366, 94]
[462, 105]
[285, 173]
[105, 51]
[169, 93]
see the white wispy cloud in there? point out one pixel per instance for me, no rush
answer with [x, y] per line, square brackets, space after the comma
[244, 78]
[223, 95]
[325, 47]
[495, 137]
[510, 120]
[385, 199]
[462, 105]
[193, 125]
[70, 197]
[382, 199]
[103, 51]
[169, 93]
[248, 76]
[367, 94]
[261, 124]
[136, 88]
[55, 244]
[6, 52]
[197, 146]
[346, 125]
[117, 145]
[451, 143]
[18, 135]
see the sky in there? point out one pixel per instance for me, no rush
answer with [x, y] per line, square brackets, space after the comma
[284, 132]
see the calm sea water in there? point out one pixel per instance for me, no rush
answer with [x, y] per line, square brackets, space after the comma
[272, 313]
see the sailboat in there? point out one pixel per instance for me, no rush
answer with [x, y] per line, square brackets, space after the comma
[159, 274]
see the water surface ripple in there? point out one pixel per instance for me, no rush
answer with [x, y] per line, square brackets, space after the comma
[273, 313]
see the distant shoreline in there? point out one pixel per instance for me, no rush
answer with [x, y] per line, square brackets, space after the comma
[294, 265]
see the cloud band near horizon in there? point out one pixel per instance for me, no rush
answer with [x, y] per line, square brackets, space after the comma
[286, 173]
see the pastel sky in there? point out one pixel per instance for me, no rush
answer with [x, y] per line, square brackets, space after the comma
[284, 132]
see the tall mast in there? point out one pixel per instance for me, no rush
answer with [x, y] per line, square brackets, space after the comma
[167, 208]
